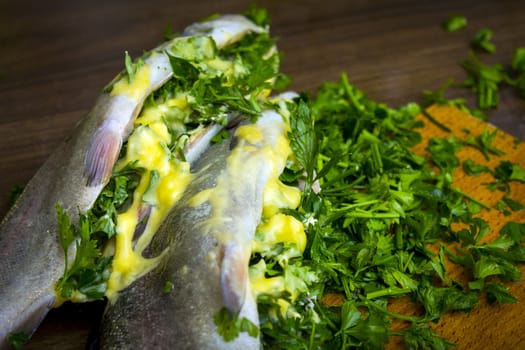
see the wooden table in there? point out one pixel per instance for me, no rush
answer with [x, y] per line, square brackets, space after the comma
[55, 56]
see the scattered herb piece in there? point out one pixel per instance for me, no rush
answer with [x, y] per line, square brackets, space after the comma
[474, 169]
[482, 41]
[454, 23]
[229, 326]
[168, 287]
[443, 153]
[17, 340]
[484, 143]
[497, 292]
[258, 15]
[168, 32]
[435, 121]
[14, 193]
[221, 136]
[131, 68]
[438, 98]
[422, 336]
[483, 80]
[518, 65]
[512, 204]
[508, 171]
[502, 207]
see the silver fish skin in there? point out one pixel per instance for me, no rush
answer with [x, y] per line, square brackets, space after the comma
[183, 318]
[209, 247]
[31, 258]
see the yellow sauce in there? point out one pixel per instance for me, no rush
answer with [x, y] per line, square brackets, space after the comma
[257, 146]
[147, 148]
[137, 87]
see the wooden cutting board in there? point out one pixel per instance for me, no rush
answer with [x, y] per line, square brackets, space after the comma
[486, 327]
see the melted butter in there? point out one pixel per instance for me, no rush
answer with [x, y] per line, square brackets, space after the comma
[262, 143]
[180, 101]
[251, 133]
[280, 228]
[137, 87]
[257, 144]
[277, 229]
[264, 285]
[147, 149]
[277, 195]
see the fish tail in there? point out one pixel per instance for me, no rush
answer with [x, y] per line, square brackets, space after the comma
[234, 276]
[102, 153]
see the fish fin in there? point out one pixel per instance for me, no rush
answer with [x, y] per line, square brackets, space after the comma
[234, 276]
[102, 153]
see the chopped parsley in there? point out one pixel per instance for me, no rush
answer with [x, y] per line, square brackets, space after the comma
[454, 23]
[132, 68]
[518, 66]
[229, 326]
[17, 340]
[14, 193]
[484, 80]
[381, 227]
[482, 41]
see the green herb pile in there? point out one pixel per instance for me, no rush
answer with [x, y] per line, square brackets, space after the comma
[377, 228]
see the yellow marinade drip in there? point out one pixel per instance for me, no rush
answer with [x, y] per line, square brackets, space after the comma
[275, 227]
[136, 87]
[147, 146]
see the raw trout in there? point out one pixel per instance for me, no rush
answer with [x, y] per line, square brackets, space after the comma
[31, 258]
[209, 233]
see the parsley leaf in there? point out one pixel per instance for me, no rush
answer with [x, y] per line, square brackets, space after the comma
[258, 15]
[497, 292]
[472, 168]
[508, 171]
[131, 68]
[518, 65]
[303, 140]
[14, 193]
[17, 340]
[483, 143]
[483, 80]
[422, 336]
[454, 23]
[229, 326]
[482, 41]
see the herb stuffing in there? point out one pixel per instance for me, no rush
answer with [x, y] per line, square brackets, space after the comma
[213, 84]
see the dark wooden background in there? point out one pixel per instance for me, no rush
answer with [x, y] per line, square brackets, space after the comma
[55, 56]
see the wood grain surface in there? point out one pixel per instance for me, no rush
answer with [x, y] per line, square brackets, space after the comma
[55, 56]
